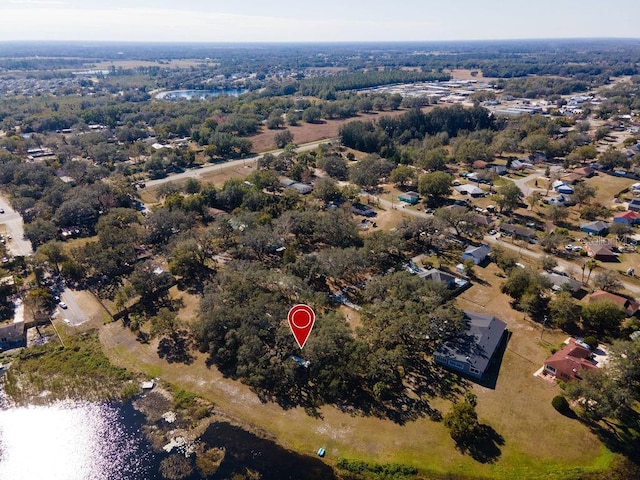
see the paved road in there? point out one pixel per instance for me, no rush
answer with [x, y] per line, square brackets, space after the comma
[526, 189]
[399, 206]
[11, 224]
[73, 314]
[492, 239]
[198, 172]
[565, 265]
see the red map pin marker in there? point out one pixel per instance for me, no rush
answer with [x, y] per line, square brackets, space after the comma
[301, 319]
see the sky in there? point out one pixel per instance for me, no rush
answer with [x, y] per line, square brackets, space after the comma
[315, 21]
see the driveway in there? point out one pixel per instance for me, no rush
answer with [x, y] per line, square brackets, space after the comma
[526, 189]
[11, 224]
[72, 315]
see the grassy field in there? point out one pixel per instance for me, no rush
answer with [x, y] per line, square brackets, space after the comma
[538, 442]
[607, 187]
[307, 132]
[50, 372]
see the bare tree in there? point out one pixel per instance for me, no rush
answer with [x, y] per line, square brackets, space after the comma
[608, 280]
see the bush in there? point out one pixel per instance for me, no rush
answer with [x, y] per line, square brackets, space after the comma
[560, 404]
[591, 341]
[375, 470]
[183, 399]
[129, 391]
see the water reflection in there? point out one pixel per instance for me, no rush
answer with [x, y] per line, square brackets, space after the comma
[73, 441]
[89, 441]
[246, 452]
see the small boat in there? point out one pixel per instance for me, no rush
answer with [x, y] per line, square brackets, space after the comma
[148, 385]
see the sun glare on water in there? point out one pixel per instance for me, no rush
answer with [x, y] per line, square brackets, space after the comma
[67, 441]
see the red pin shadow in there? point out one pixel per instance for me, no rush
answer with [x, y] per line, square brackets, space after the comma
[301, 319]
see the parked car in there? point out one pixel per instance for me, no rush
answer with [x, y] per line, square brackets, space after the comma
[62, 305]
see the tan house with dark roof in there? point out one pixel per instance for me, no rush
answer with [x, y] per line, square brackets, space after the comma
[601, 251]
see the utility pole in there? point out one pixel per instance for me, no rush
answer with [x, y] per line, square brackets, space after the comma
[544, 321]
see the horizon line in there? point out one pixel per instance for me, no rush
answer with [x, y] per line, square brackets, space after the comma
[322, 42]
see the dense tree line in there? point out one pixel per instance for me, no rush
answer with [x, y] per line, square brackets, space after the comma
[242, 327]
[381, 136]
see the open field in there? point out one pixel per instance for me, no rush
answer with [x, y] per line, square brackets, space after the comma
[607, 187]
[538, 442]
[307, 132]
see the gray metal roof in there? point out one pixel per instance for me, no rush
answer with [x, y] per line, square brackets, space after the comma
[479, 252]
[477, 344]
[436, 275]
[561, 280]
[596, 226]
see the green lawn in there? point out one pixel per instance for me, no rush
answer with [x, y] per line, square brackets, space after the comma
[538, 442]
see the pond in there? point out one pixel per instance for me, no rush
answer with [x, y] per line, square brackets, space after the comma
[90, 441]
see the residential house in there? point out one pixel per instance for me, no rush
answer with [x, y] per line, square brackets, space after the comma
[562, 282]
[571, 178]
[480, 220]
[364, 210]
[601, 251]
[517, 165]
[595, 228]
[627, 218]
[438, 276]
[564, 189]
[472, 190]
[522, 233]
[477, 254]
[634, 205]
[499, 169]
[12, 335]
[587, 172]
[301, 188]
[7, 286]
[471, 352]
[570, 361]
[409, 197]
[631, 307]
[537, 157]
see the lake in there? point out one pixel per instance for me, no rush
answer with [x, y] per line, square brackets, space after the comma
[90, 441]
[75, 441]
[199, 94]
